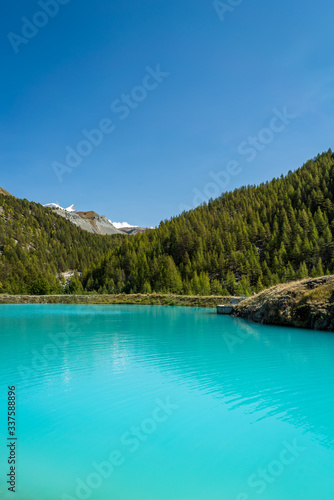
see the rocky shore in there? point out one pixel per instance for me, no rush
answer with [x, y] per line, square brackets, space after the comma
[308, 303]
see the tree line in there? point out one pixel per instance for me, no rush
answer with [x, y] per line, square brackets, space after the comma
[240, 243]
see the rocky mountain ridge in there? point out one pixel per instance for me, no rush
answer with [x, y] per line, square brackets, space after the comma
[89, 221]
[4, 192]
[93, 222]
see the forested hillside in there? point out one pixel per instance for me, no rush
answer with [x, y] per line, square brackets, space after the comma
[36, 245]
[244, 241]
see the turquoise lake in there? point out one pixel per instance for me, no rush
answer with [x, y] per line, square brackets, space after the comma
[164, 403]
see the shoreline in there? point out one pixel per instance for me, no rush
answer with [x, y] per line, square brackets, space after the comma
[307, 303]
[130, 299]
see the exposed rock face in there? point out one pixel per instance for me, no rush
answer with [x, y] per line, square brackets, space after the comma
[4, 192]
[93, 222]
[90, 221]
[307, 303]
[133, 230]
[88, 215]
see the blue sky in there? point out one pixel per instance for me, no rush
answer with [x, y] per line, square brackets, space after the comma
[227, 73]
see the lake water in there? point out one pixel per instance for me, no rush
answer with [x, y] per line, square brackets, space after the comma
[164, 403]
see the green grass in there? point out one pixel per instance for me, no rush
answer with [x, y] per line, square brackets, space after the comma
[324, 293]
[139, 299]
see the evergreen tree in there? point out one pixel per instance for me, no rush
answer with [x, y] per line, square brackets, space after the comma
[241, 242]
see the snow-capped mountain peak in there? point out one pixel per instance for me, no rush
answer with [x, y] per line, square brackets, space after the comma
[71, 208]
[85, 221]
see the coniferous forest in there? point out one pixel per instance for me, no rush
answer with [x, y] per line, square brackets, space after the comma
[36, 245]
[243, 241]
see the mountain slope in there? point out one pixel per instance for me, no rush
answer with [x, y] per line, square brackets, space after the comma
[246, 240]
[4, 192]
[93, 223]
[242, 242]
[36, 244]
[89, 221]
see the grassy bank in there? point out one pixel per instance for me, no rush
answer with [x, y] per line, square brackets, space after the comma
[307, 303]
[140, 299]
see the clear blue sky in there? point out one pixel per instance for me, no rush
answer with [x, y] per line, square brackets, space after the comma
[226, 76]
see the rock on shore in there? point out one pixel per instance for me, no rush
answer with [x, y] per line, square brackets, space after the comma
[308, 303]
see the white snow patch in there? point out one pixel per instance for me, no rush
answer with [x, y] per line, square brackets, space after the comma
[56, 205]
[120, 225]
[71, 209]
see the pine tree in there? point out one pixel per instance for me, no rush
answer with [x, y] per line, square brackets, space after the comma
[302, 271]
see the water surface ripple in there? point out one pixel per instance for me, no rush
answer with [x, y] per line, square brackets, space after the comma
[197, 406]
